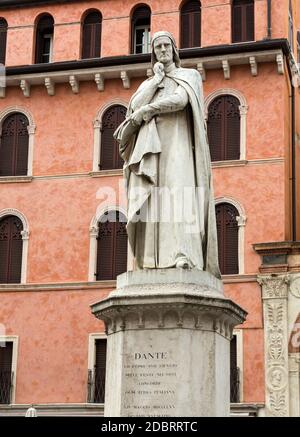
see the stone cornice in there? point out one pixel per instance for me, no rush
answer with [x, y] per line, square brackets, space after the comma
[132, 66]
[64, 286]
[5, 4]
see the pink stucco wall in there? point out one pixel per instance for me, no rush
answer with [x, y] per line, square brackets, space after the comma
[216, 25]
[53, 326]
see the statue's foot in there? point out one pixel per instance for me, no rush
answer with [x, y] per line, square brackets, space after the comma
[183, 263]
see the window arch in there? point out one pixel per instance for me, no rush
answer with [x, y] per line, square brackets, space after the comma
[228, 242]
[111, 246]
[242, 20]
[3, 39]
[14, 145]
[223, 128]
[190, 24]
[109, 150]
[11, 248]
[44, 39]
[91, 35]
[140, 30]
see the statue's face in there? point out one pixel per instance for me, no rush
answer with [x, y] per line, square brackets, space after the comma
[163, 50]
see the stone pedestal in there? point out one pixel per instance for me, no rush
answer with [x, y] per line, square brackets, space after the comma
[168, 344]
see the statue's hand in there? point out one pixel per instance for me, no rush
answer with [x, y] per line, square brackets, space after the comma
[137, 116]
[159, 71]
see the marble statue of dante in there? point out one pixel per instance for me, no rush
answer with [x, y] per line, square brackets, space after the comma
[171, 214]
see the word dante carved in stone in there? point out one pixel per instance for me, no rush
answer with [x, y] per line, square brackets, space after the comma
[150, 355]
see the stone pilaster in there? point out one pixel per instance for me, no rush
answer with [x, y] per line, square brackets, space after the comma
[275, 311]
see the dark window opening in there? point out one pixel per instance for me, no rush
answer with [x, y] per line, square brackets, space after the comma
[140, 30]
[6, 375]
[242, 20]
[14, 145]
[110, 157]
[112, 246]
[44, 40]
[91, 35]
[190, 24]
[3, 39]
[227, 229]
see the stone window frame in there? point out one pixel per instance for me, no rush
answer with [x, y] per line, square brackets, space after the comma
[31, 128]
[97, 126]
[243, 114]
[94, 230]
[14, 339]
[241, 220]
[92, 349]
[25, 237]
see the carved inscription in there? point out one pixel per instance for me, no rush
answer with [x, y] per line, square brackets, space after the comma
[150, 381]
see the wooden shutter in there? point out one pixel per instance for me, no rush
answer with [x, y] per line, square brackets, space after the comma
[44, 26]
[91, 35]
[223, 128]
[14, 146]
[5, 372]
[140, 17]
[100, 370]
[190, 24]
[112, 246]
[242, 20]
[110, 157]
[227, 228]
[3, 39]
[11, 248]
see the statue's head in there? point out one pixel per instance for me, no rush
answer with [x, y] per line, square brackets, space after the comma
[164, 37]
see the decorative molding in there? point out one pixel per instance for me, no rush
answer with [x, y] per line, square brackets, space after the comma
[74, 82]
[25, 87]
[15, 179]
[99, 79]
[50, 86]
[275, 293]
[125, 79]
[295, 285]
[201, 69]
[274, 287]
[280, 63]
[25, 238]
[253, 65]
[243, 113]
[241, 220]
[63, 286]
[141, 69]
[226, 69]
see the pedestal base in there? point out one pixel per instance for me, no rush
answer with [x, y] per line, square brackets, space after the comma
[168, 344]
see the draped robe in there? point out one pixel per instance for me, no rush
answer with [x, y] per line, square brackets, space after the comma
[171, 213]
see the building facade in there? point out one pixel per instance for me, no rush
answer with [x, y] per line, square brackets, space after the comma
[71, 67]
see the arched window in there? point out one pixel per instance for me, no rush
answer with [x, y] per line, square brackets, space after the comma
[11, 248]
[109, 155]
[14, 145]
[44, 39]
[91, 35]
[190, 24]
[140, 30]
[223, 128]
[3, 38]
[112, 246]
[242, 20]
[228, 240]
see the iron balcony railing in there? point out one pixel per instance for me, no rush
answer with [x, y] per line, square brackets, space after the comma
[96, 386]
[6, 385]
[234, 385]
